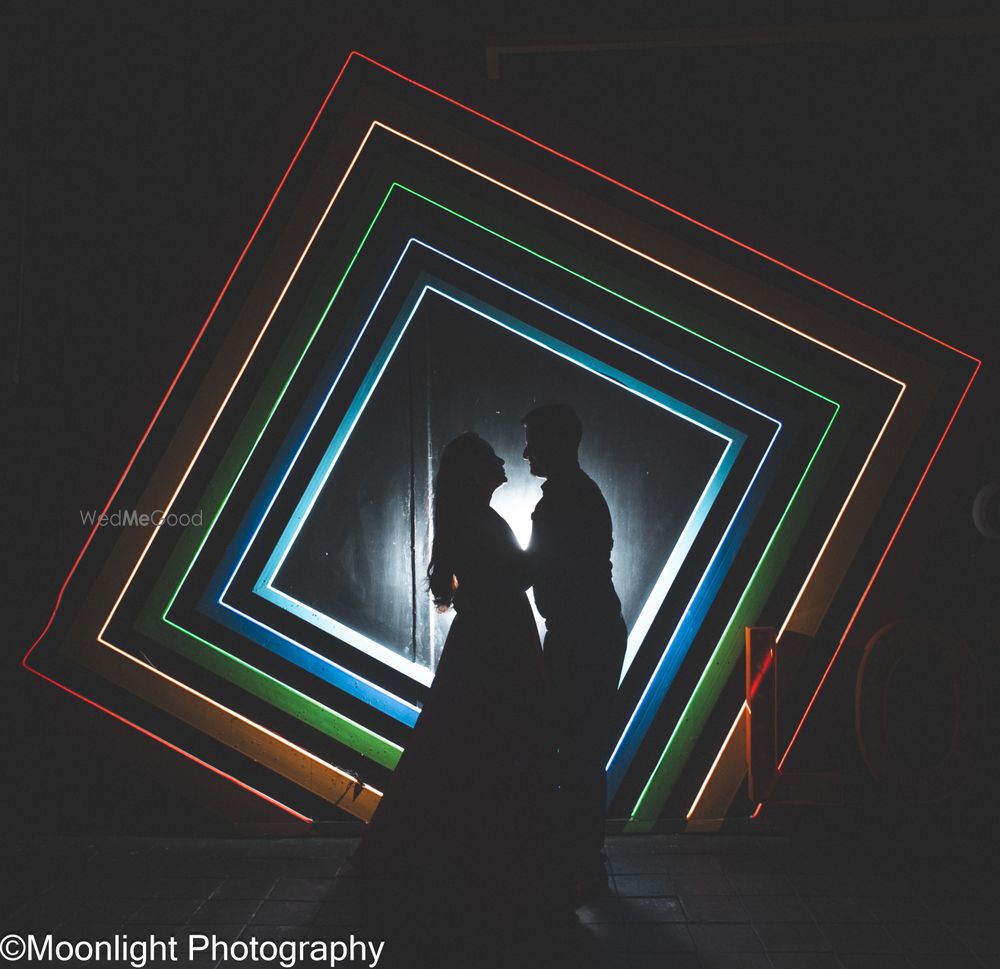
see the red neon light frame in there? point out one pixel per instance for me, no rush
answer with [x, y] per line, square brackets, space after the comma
[25, 660]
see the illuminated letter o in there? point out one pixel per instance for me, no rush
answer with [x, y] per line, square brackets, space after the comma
[986, 510]
[887, 650]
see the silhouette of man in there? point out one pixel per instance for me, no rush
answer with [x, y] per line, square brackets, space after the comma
[570, 555]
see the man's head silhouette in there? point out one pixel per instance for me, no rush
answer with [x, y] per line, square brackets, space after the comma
[552, 439]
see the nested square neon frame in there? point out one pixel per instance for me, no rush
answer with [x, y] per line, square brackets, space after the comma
[909, 505]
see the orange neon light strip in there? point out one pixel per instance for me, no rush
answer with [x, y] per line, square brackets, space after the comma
[744, 710]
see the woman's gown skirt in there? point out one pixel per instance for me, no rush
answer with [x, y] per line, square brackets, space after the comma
[467, 819]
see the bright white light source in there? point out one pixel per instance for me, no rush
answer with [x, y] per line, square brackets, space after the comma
[515, 501]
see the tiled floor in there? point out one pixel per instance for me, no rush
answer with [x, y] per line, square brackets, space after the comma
[680, 901]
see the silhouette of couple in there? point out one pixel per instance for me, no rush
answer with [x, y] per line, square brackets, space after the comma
[500, 793]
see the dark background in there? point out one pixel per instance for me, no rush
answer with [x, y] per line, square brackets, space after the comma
[146, 141]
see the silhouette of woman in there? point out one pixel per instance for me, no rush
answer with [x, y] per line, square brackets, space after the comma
[465, 826]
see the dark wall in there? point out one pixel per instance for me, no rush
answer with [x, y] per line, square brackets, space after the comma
[146, 142]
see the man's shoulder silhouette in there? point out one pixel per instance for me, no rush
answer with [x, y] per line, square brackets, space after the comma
[573, 507]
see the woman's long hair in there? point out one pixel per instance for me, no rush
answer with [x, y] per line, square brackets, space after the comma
[454, 495]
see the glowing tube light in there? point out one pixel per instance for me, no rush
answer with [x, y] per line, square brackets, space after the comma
[878, 568]
[156, 738]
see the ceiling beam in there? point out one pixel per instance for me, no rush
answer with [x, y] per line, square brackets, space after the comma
[739, 36]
